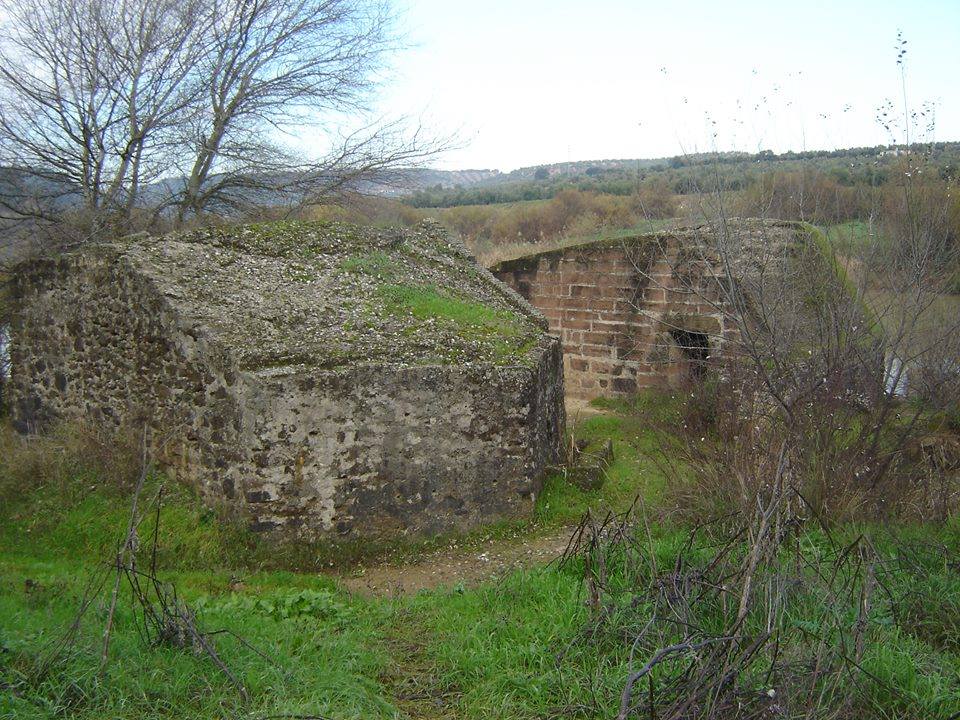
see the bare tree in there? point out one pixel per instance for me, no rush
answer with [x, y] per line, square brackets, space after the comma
[91, 92]
[274, 65]
[115, 113]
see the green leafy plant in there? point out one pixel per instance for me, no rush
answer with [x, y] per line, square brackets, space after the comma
[280, 605]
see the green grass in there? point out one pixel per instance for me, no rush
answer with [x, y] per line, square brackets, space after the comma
[497, 645]
[503, 331]
[430, 303]
[851, 237]
[632, 474]
[829, 251]
[891, 309]
[489, 651]
[327, 664]
[335, 651]
[378, 264]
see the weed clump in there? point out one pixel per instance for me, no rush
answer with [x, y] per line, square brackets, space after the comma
[757, 619]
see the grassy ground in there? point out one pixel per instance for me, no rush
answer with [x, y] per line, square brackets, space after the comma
[507, 649]
[849, 237]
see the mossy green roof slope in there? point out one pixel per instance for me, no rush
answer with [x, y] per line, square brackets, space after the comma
[329, 296]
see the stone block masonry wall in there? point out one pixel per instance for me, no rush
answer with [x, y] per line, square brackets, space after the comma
[369, 450]
[93, 341]
[623, 311]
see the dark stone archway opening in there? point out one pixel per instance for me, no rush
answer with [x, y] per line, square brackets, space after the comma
[696, 348]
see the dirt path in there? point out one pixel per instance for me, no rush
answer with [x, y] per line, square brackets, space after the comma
[469, 566]
[457, 565]
[579, 409]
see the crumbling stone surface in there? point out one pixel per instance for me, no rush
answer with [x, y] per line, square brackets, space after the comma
[641, 312]
[322, 380]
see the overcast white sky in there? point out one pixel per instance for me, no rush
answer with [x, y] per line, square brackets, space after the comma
[526, 82]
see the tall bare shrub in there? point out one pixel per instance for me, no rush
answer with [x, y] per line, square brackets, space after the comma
[806, 195]
[814, 389]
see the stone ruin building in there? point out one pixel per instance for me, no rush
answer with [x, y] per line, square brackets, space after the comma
[643, 311]
[320, 380]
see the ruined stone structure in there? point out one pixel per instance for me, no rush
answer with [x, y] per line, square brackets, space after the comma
[322, 380]
[637, 312]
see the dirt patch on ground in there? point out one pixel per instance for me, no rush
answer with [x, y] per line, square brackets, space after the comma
[579, 409]
[456, 565]
[412, 678]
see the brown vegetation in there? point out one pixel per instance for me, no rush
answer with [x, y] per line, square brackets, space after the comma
[807, 195]
[507, 230]
[571, 214]
[54, 461]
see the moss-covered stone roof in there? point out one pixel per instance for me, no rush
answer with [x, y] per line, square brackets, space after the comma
[317, 295]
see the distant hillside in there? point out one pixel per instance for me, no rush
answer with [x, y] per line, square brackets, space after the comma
[426, 187]
[428, 178]
[682, 174]
[446, 179]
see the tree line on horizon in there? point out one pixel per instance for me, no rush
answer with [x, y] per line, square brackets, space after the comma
[692, 174]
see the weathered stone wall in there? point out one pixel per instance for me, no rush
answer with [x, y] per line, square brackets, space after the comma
[362, 450]
[624, 310]
[93, 341]
[372, 450]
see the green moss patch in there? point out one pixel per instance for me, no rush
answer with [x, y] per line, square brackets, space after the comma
[498, 330]
[429, 302]
[377, 264]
